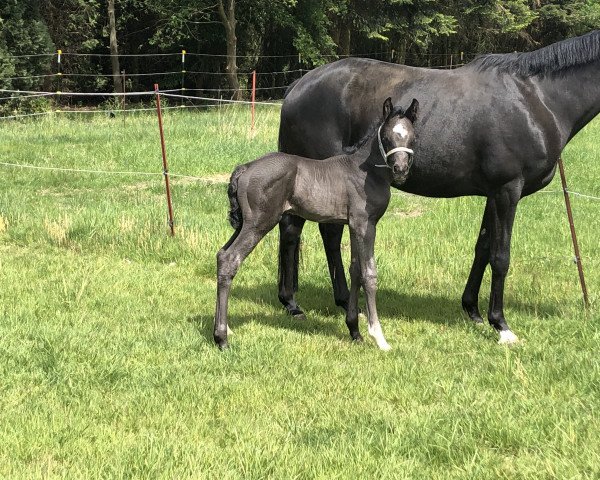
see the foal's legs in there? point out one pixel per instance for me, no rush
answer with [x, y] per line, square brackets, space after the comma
[352, 311]
[482, 257]
[290, 228]
[362, 242]
[332, 239]
[502, 216]
[229, 259]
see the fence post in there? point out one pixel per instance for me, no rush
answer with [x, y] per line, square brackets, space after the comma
[563, 180]
[123, 82]
[253, 96]
[164, 159]
[58, 75]
[182, 74]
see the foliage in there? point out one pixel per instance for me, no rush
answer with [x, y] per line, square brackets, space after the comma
[22, 33]
[280, 35]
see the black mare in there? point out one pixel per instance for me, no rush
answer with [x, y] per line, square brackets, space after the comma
[494, 128]
[352, 188]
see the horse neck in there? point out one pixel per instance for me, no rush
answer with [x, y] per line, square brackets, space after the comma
[370, 156]
[573, 96]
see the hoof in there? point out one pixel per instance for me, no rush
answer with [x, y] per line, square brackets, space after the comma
[384, 346]
[473, 314]
[296, 313]
[357, 337]
[221, 342]
[299, 316]
[508, 338]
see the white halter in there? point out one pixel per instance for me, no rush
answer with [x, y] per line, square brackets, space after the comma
[391, 152]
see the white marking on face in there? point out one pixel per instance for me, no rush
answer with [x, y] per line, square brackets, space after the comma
[401, 130]
[507, 338]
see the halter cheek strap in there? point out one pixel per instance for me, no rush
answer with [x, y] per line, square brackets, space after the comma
[391, 152]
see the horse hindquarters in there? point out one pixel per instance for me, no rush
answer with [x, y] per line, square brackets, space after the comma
[255, 224]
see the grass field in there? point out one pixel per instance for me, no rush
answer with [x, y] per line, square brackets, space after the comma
[108, 368]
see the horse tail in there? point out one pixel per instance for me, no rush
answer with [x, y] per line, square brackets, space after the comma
[235, 211]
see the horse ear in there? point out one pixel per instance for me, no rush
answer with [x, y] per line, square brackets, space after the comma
[411, 113]
[387, 107]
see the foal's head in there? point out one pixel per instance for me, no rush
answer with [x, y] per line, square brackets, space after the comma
[396, 137]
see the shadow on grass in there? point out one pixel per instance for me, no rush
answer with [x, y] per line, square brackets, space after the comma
[324, 318]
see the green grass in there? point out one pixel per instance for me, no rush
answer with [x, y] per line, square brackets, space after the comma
[107, 365]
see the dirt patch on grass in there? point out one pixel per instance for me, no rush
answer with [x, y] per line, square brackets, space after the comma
[415, 212]
[217, 178]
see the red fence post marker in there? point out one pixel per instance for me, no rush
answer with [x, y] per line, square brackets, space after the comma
[164, 158]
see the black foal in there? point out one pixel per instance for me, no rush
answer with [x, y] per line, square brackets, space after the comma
[351, 189]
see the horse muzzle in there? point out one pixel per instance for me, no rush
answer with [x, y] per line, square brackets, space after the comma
[400, 172]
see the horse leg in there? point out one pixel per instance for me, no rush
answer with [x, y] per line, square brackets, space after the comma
[229, 259]
[290, 228]
[362, 245]
[470, 295]
[502, 215]
[332, 239]
[352, 310]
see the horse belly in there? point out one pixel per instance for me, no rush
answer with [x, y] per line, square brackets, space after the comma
[321, 200]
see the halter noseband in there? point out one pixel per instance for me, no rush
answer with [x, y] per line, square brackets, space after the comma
[391, 152]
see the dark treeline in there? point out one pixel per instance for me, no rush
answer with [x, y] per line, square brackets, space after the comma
[265, 35]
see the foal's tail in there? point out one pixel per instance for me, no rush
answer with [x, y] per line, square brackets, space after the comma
[235, 212]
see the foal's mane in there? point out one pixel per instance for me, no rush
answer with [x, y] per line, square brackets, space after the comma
[547, 60]
[371, 131]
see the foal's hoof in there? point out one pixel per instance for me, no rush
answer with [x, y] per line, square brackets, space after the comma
[221, 343]
[508, 338]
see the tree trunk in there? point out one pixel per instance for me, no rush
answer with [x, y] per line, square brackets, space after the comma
[228, 20]
[114, 49]
[344, 44]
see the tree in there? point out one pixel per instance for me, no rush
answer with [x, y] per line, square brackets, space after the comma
[227, 16]
[75, 26]
[114, 49]
[23, 32]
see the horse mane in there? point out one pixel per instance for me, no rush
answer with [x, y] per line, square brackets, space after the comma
[547, 60]
[370, 132]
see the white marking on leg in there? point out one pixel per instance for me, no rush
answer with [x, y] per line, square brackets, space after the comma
[377, 333]
[507, 338]
[229, 331]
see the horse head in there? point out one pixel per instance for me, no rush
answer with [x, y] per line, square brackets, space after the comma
[396, 137]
